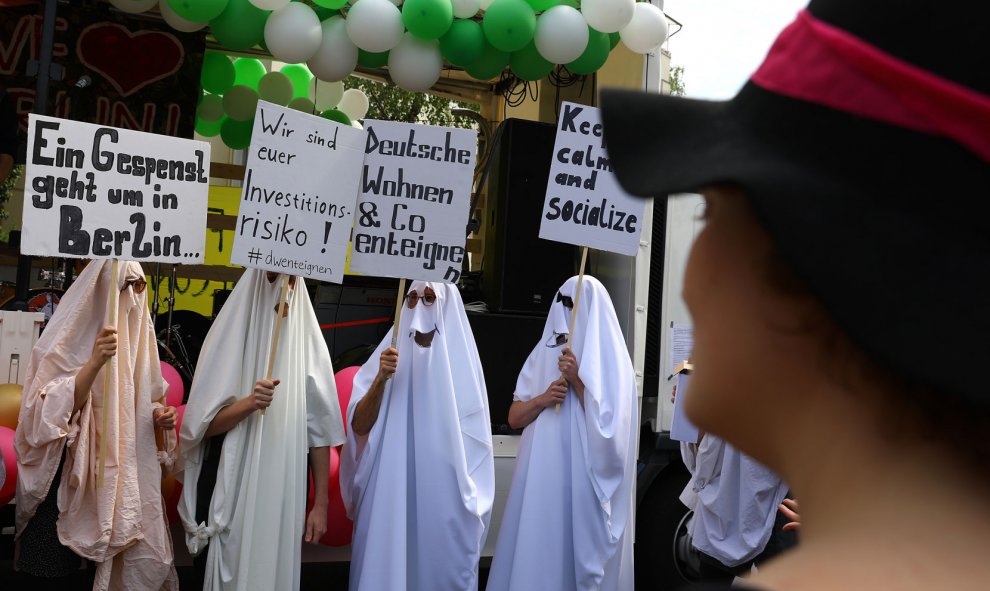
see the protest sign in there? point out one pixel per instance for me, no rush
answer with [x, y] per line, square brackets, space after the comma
[414, 201]
[584, 203]
[300, 188]
[105, 193]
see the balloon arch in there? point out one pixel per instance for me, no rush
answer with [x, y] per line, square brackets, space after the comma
[327, 40]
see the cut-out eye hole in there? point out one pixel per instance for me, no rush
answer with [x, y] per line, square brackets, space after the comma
[566, 300]
[137, 284]
[412, 298]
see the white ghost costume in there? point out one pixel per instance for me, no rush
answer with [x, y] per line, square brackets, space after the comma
[257, 513]
[420, 485]
[121, 526]
[568, 518]
[734, 499]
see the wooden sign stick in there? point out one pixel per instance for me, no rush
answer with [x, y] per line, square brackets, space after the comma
[114, 298]
[398, 315]
[577, 300]
[283, 296]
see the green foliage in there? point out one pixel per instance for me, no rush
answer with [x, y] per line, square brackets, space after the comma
[677, 81]
[7, 189]
[388, 102]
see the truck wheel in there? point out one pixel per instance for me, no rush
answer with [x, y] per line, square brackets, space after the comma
[657, 520]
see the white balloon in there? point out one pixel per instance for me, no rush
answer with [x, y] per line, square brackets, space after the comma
[134, 6]
[608, 16]
[647, 30]
[357, 125]
[177, 22]
[326, 95]
[466, 8]
[293, 33]
[375, 25]
[415, 64]
[337, 56]
[269, 4]
[396, 2]
[561, 34]
[354, 103]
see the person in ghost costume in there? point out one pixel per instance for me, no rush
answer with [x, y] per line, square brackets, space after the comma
[417, 474]
[61, 510]
[568, 517]
[243, 503]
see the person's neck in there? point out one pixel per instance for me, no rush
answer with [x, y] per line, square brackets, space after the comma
[879, 512]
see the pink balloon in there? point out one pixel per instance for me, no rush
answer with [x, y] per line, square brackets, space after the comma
[339, 527]
[9, 464]
[180, 411]
[176, 391]
[345, 383]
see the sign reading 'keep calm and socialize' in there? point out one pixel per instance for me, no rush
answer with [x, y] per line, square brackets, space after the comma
[584, 203]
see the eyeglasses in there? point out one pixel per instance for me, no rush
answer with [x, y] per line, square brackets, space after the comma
[137, 284]
[413, 297]
[566, 300]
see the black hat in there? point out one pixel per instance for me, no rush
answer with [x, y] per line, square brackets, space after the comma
[863, 144]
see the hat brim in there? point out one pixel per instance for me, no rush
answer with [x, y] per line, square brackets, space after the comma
[848, 203]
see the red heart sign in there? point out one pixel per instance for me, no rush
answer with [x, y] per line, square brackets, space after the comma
[129, 61]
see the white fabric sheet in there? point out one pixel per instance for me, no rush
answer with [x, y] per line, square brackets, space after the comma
[734, 499]
[421, 484]
[121, 526]
[257, 512]
[567, 522]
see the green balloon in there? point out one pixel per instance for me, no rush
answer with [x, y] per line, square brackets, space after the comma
[528, 64]
[209, 128]
[302, 104]
[464, 42]
[237, 134]
[240, 103]
[509, 24]
[427, 19]
[198, 11]
[210, 107]
[541, 5]
[300, 76]
[613, 40]
[248, 72]
[490, 64]
[372, 60]
[240, 26]
[332, 4]
[594, 56]
[218, 73]
[275, 88]
[335, 115]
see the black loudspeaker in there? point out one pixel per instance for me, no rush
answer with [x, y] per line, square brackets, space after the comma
[521, 271]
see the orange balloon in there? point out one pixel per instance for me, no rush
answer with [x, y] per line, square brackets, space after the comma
[10, 404]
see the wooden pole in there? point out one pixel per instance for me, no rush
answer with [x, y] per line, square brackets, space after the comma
[398, 312]
[577, 301]
[114, 298]
[398, 316]
[283, 296]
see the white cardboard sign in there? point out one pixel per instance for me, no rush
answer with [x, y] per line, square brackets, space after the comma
[299, 193]
[584, 203]
[413, 206]
[99, 192]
